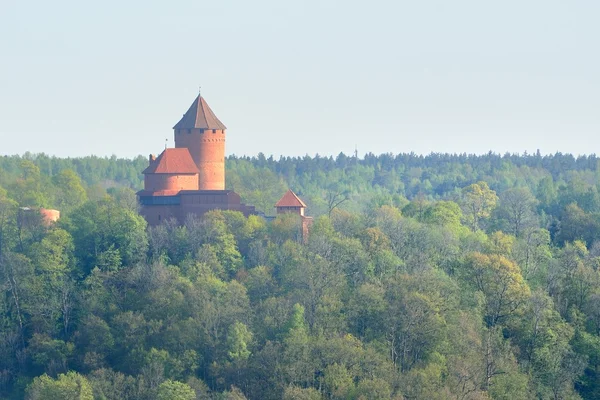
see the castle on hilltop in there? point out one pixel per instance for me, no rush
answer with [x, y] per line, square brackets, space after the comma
[190, 178]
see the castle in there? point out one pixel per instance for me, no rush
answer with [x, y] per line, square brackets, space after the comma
[190, 178]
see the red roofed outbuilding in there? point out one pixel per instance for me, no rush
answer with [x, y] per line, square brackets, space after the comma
[290, 203]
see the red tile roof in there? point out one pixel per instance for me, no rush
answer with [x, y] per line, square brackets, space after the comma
[199, 116]
[290, 199]
[173, 161]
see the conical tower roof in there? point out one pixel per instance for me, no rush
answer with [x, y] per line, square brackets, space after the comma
[199, 116]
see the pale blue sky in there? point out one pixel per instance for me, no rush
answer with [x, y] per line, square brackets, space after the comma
[302, 77]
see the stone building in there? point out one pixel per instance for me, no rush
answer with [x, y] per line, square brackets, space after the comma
[190, 178]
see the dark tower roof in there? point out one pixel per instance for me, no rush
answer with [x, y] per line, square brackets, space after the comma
[199, 116]
[173, 161]
[290, 199]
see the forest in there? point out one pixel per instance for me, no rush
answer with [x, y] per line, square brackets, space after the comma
[446, 276]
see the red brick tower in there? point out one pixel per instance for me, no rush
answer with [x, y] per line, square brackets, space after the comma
[201, 132]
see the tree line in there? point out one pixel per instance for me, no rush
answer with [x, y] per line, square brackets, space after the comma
[436, 277]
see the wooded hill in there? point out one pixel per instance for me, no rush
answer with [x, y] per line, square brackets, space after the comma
[424, 277]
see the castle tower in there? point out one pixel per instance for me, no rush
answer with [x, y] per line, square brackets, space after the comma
[201, 132]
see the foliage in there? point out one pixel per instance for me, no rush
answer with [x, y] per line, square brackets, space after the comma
[70, 386]
[173, 390]
[440, 276]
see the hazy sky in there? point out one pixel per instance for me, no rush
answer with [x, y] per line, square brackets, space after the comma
[302, 77]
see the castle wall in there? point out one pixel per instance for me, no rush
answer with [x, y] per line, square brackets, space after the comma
[207, 148]
[157, 214]
[306, 224]
[157, 182]
[200, 203]
[157, 209]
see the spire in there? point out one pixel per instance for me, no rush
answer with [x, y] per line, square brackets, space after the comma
[199, 116]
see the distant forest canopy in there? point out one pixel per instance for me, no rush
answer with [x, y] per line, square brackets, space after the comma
[423, 277]
[374, 178]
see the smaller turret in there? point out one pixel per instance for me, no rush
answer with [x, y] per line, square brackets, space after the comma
[290, 203]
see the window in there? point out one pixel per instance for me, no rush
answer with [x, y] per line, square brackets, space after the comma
[214, 131]
[201, 130]
[159, 200]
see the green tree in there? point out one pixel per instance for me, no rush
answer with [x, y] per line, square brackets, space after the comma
[52, 355]
[94, 340]
[173, 390]
[100, 226]
[478, 201]
[416, 328]
[17, 275]
[233, 393]
[500, 280]
[335, 196]
[8, 222]
[366, 310]
[546, 192]
[212, 229]
[69, 386]
[338, 382]
[373, 389]
[70, 193]
[446, 213]
[257, 185]
[238, 339]
[545, 339]
[532, 252]
[110, 385]
[576, 224]
[296, 393]
[28, 188]
[297, 366]
[286, 227]
[517, 209]
[125, 197]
